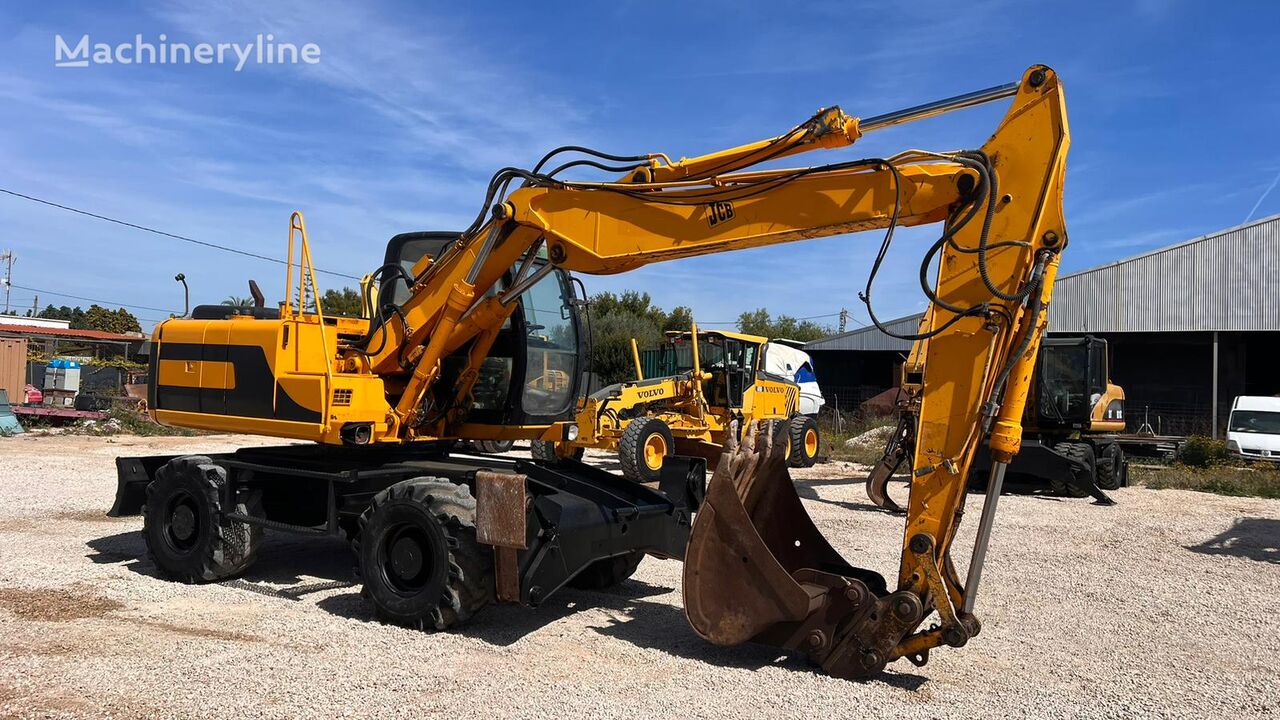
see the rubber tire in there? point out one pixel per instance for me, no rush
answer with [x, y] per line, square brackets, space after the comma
[221, 548]
[1083, 452]
[796, 429]
[493, 447]
[631, 448]
[461, 575]
[606, 573]
[545, 451]
[1111, 476]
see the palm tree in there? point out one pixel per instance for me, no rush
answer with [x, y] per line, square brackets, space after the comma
[234, 301]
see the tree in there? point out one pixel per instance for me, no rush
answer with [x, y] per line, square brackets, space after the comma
[680, 318]
[611, 344]
[346, 302]
[116, 321]
[759, 322]
[236, 301]
[95, 318]
[615, 320]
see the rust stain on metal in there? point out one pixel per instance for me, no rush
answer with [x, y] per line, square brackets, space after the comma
[506, 567]
[500, 509]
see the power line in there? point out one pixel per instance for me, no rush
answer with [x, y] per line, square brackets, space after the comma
[92, 300]
[162, 233]
[735, 322]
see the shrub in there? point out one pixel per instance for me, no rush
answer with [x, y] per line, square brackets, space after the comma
[1202, 452]
[1221, 480]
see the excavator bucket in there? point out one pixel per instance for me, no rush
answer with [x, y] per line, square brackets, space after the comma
[757, 569]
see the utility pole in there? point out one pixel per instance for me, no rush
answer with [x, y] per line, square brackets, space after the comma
[7, 258]
[844, 318]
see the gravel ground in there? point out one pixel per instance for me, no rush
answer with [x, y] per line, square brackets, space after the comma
[1163, 606]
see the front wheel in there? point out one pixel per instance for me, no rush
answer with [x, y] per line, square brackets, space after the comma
[805, 441]
[550, 453]
[418, 556]
[608, 572]
[1111, 467]
[493, 447]
[183, 524]
[1082, 480]
[646, 442]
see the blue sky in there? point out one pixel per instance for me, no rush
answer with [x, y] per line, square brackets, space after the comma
[1173, 109]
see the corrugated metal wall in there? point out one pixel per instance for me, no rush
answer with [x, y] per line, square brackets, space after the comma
[870, 338]
[1226, 281]
[1229, 281]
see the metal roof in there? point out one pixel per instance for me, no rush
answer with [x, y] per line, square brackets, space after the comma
[1227, 280]
[33, 330]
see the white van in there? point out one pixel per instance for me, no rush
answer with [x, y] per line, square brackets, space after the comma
[1253, 430]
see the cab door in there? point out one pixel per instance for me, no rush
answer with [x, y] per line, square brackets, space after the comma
[548, 328]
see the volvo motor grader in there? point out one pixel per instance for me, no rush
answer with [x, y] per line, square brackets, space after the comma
[716, 385]
[481, 340]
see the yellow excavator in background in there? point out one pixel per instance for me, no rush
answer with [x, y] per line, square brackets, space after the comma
[1070, 423]
[719, 384]
[477, 335]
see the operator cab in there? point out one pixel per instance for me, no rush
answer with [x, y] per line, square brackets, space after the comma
[1074, 390]
[531, 376]
[730, 358]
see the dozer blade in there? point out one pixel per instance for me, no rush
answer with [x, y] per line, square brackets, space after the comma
[757, 569]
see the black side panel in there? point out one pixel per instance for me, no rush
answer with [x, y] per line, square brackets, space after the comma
[255, 386]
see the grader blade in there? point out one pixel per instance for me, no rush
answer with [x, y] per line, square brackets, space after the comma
[757, 569]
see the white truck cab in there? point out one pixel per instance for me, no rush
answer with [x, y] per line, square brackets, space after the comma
[784, 359]
[1253, 430]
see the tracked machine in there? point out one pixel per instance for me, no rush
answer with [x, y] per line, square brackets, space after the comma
[481, 339]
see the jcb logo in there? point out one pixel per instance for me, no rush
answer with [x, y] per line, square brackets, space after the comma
[718, 212]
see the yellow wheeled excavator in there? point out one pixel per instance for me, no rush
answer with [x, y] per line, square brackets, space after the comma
[718, 384]
[1070, 423]
[477, 335]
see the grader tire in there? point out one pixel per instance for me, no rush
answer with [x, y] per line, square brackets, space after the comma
[545, 451]
[805, 441]
[645, 443]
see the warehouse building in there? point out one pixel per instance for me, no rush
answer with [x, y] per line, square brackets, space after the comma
[1190, 326]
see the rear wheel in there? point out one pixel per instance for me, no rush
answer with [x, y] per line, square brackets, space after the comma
[1084, 479]
[608, 572]
[1111, 467]
[803, 434]
[547, 452]
[418, 555]
[646, 442]
[183, 526]
[493, 447]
